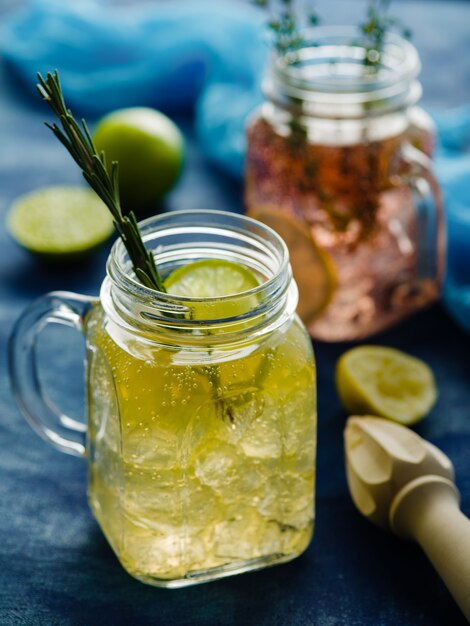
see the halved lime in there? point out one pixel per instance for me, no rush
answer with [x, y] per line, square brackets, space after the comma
[374, 380]
[212, 279]
[60, 222]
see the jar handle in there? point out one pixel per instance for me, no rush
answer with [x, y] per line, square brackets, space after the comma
[58, 307]
[430, 225]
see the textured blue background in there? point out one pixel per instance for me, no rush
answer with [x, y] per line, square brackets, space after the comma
[55, 566]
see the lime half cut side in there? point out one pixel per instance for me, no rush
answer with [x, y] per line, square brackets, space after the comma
[374, 380]
[60, 222]
[212, 279]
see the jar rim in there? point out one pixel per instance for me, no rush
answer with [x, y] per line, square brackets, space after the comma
[328, 73]
[161, 307]
[147, 228]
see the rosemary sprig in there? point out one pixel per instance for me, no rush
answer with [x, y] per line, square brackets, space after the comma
[77, 140]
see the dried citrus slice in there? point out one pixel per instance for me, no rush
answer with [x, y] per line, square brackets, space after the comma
[373, 380]
[313, 270]
[214, 280]
[60, 222]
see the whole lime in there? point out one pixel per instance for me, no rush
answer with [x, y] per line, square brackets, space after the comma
[149, 149]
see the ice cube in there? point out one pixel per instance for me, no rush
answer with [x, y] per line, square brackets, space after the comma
[238, 538]
[288, 499]
[168, 501]
[161, 555]
[225, 469]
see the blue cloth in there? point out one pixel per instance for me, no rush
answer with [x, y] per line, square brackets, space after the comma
[171, 56]
[453, 170]
[209, 56]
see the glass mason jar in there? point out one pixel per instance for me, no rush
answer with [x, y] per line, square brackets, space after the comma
[201, 412]
[338, 163]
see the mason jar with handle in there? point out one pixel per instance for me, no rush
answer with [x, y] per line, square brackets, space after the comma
[338, 162]
[201, 411]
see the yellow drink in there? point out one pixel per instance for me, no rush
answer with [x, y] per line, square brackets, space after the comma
[186, 477]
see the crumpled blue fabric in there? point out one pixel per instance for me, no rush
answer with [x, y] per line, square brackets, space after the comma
[206, 56]
[173, 56]
[452, 164]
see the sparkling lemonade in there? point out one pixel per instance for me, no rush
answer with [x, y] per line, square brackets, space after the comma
[202, 451]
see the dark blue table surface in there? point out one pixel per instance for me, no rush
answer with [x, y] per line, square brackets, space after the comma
[56, 567]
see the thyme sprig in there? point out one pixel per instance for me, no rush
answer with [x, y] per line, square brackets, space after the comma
[375, 28]
[286, 32]
[288, 37]
[77, 140]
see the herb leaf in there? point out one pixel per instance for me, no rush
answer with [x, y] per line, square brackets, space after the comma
[78, 142]
[375, 28]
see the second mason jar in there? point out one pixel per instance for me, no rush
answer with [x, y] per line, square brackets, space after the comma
[338, 163]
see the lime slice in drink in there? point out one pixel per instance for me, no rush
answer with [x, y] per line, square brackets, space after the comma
[373, 380]
[60, 222]
[212, 279]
